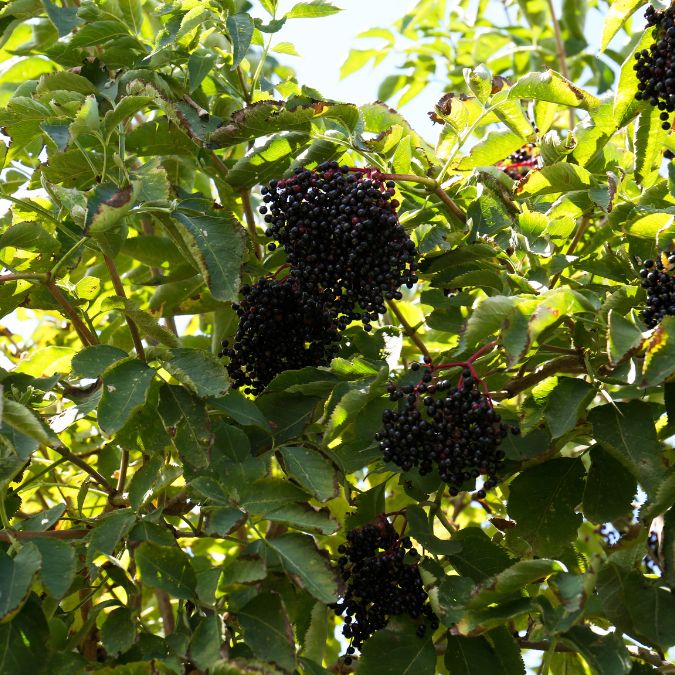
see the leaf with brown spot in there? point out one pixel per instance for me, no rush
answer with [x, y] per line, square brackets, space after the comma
[107, 206]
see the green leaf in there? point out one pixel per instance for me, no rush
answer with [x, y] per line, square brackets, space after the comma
[476, 656]
[607, 655]
[566, 404]
[25, 639]
[241, 409]
[57, 572]
[167, 568]
[270, 117]
[16, 577]
[305, 565]
[107, 206]
[98, 33]
[267, 630]
[543, 500]
[240, 27]
[221, 521]
[421, 530]
[118, 631]
[206, 642]
[610, 488]
[553, 87]
[311, 10]
[659, 363]
[312, 470]
[63, 18]
[513, 580]
[217, 243]
[304, 517]
[125, 109]
[627, 431]
[618, 13]
[125, 389]
[622, 336]
[92, 361]
[396, 650]
[108, 532]
[479, 558]
[554, 179]
[649, 142]
[23, 420]
[199, 370]
[267, 495]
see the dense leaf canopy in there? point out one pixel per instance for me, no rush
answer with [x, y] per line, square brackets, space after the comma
[155, 518]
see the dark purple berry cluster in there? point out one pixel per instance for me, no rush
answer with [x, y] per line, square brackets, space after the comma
[280, 328]
[659, 282]
[655, 67]
[342, 237]
[519, 163]
[453, 427]
[380, 571]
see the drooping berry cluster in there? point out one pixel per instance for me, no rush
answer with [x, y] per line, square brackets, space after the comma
[655, 67]
[341, 234]
[658, 280]
[453, 427]
[381, 574]
[280, 328]
[519, 163]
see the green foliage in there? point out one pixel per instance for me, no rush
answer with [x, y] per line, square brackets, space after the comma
[152, 519]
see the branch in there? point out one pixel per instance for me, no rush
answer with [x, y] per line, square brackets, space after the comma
[7, 536]
[86, 336]
[119, 290]
[79, 462]
[562, 54]
[250, 221]
[565, 364]
[410, 331]
[17, 276]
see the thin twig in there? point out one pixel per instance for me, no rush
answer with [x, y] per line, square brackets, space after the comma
[79, 462]
[124, 465]
[565, 364]
[410, 331]
[17, 276]
[165, 611]
[86, 336]
[119, 290]
[562, 54]
[50, 534]
[250, 221]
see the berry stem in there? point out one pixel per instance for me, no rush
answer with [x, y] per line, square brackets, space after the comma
[409, 330]
[250, 221]
[486, 348]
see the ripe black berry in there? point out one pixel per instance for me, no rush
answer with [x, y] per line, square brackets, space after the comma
[380, 582]
[655, 67]
[342, 236]
[454, 428]
[659, 282]
[280, 328]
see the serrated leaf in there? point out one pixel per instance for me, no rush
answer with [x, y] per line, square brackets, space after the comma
[167, 568]
[659, 363]
[618, 13]
[405, 652]
[107, 206]
[240, 27]
[566, 404]
[217, 243]
[649, 142]
[610, 488]
[92, 361]
[267, 630]
[479, 557]
[627, 431]
[305, 565]
[311, 10]
[543, 500]
[622, 336]
[108, 532]
[312, 470]
[16, 577]
[199, 370]
[554, 179]
[118, 631]
[125, 389]
[24, 421]
[553, 87]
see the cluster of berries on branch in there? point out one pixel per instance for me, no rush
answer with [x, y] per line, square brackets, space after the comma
[452, 427]
[281, 327]
[519, 163]
[380, 571]
[659, 282]
[340, 230]
[655, 67]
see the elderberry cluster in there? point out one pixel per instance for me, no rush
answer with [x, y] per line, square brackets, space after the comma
[658, 280]
[519, 163]
[655, 67]
[281, 327]
[342, 237]
[381, 574]
[453, 427]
